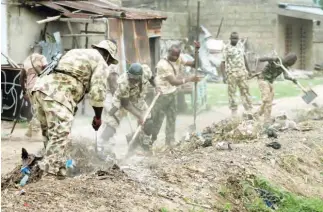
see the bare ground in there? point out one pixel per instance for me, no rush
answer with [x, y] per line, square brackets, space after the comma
[181, 180]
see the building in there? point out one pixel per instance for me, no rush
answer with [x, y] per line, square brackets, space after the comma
[300, 30]
[80, 24]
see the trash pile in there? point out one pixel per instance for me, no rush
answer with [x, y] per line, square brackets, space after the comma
[247, 129]
[225, 132]
[82, 160]
[315, 114]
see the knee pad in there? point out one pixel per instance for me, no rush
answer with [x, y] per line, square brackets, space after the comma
[148, 127]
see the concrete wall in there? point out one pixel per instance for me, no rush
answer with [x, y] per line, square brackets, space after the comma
[255, 19]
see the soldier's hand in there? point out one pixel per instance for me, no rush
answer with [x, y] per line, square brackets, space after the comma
[294, 80]
[194, 79]
[197, 44]
[141, 120]
[26, 97]
[96, 123]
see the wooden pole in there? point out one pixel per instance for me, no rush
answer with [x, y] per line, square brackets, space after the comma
[196, 61]
[86, 46]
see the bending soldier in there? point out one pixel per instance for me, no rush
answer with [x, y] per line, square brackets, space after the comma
[57, 94]
[129, 97]
[267, 78]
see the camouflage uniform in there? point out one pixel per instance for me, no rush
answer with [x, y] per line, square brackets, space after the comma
[166, 104]
[265, 81]
[33, 61]
[235, 68]
[136, 95]
[56, 95]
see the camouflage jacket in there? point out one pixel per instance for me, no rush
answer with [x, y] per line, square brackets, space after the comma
[233, 56]
[32, 62]
[271, 72]
[85, 71]
[134, 92]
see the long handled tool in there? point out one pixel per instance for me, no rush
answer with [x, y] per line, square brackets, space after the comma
[17, 116]
[196, 59]
[132, 141]
[310, 95]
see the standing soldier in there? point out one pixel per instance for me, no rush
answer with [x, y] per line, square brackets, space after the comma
[130, 94]
[167, 71]
[33, 65]
[57, 94]
[267, 78]
[236, 68]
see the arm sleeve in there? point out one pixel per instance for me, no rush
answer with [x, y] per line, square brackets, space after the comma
[99, 84]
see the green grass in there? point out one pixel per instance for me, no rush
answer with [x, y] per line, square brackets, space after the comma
[217, 94]
[287, 201]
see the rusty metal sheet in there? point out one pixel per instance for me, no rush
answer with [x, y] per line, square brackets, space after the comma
[115, 33]
[143, 48]
[154, 24]
[87, 6]
[54, 6]
[79, 15]
[140, 27]
[129, 41]
[103, 8]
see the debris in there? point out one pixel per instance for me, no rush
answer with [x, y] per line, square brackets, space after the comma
[223, 146]
[271, 133]
[274, 145]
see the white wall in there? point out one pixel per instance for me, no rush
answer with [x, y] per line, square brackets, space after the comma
[4, 43]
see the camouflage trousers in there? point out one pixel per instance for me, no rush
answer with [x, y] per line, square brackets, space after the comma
[239, 81]
[33, 124]
[267, 96]
[114, 121]
[166, 105]
[56, 123]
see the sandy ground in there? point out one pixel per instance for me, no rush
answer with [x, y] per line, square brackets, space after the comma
[11, 149]
[183, 180]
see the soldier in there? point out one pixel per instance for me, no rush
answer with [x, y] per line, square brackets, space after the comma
[33, 65]
[130, 94]
[167, 71]
[57, 94]
[236, 68]
[266, 79]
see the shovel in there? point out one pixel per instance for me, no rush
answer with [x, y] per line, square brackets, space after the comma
[310, 95]
[132, 141]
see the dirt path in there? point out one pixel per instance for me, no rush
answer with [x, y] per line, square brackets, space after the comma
[187, 180]
[11, 149]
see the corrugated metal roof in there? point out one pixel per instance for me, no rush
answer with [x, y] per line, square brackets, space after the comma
[302, 8]
[90, 8]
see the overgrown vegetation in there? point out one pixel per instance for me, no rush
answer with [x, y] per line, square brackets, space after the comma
[261, 196]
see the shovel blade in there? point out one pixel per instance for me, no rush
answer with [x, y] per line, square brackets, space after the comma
[309, 96]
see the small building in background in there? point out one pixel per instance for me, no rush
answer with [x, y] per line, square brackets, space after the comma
[300, 30]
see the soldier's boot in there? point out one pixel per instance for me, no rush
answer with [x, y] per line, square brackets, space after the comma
[106, 152]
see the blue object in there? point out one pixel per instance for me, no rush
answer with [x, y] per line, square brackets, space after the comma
[69, 163]
[24, 180]
[25, 170]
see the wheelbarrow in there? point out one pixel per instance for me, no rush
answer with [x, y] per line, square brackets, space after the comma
[309, 95]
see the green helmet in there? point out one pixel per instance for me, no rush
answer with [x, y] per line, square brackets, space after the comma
[135, 71]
